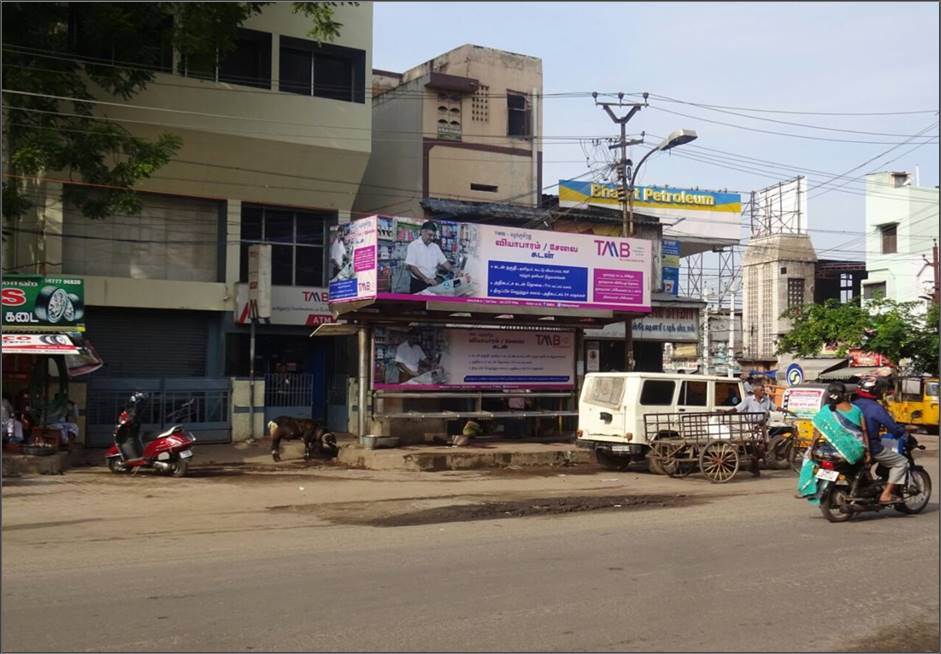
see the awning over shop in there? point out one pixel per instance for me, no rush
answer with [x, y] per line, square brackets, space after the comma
[80, 357]
[39, 344]
[843, 374]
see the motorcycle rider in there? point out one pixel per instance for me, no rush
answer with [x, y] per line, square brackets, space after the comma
[127, 433]
[869, 395]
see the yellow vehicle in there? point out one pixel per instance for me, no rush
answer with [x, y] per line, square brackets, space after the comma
[914, 401]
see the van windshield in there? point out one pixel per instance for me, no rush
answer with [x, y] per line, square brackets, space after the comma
[657, 392]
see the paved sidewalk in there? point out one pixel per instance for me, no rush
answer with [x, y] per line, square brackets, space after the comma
[417, 458]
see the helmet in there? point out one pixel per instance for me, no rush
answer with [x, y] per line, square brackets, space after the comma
[136, 399]
[874, 387]
[836, 392]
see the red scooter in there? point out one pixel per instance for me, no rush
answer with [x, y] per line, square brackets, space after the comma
[169, 452]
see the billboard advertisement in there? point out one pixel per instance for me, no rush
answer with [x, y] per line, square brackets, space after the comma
[711, 215]
[781, 208]
[391, 258]
[35, 303]
[433, 358]
[290, 305]
[671, 266]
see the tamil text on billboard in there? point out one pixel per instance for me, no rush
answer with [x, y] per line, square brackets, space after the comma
[435, 358]
[384, 257]
[34, 303]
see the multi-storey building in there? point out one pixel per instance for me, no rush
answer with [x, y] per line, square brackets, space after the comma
[276, 137]
[466, 125]
[901, 227]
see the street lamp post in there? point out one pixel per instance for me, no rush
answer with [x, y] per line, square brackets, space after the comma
[676, 138]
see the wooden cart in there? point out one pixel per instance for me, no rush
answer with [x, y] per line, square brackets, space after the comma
[717, 444]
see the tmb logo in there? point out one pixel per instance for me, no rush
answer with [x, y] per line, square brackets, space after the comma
[13, 297]
[604, 248]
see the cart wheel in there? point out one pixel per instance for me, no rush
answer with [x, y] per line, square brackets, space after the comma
[665, 455]
[718, 461]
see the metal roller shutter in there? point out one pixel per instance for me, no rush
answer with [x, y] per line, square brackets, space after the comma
[149, 343]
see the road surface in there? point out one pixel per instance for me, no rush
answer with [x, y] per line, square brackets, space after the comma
[328, 559]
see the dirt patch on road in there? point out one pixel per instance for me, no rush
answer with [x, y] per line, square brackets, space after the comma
[492, 510]
[919, 636]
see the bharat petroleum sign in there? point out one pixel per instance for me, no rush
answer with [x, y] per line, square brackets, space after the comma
[712, 215]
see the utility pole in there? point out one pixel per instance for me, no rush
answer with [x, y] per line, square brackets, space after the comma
[625, 196]
[935, 269]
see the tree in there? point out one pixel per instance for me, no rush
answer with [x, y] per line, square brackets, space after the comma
[59, 57]
[897, 330]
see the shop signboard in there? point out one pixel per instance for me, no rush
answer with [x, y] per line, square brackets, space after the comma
[860, 359]
[710, 215]
[805, 402]
[391, 258]
[39, 344]
[290, 305]
[679, 324]
[33, 303]
[432, 358]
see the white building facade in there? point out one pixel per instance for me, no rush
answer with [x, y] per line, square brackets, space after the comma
[901, 227]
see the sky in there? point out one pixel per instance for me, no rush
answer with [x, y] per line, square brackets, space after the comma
[816, 59]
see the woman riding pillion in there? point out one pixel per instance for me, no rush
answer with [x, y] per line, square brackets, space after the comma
[842, 424]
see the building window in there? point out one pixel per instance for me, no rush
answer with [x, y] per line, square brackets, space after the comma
[487, 188]
[326, 71]
[518, 115]
[92, 40]
[846, 288]
[795, 292]
[449, 116]
[889, 240]
[247, 64]
[874, 291]
[297, 239]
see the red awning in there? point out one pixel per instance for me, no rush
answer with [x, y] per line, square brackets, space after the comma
[39, 344]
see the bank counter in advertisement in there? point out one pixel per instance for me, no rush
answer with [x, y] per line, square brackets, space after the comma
[405, 259]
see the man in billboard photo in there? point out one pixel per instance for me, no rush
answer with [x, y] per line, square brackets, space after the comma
[339, 251]
[409, 357]
[423, 258]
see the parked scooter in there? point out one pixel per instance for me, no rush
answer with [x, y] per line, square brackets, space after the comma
[846, 489]
[169, 452]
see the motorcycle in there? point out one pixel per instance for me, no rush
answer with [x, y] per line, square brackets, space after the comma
[847, 489]
[169, 452]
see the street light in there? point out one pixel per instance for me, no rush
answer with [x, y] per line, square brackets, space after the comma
[676, 138]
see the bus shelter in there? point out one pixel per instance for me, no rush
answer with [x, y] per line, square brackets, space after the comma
[453, 318]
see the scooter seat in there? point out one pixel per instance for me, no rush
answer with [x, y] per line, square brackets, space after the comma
[166, 433]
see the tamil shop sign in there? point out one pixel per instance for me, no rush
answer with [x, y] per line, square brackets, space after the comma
[711, 215]
[391, 258]
[35, 303]
[671, 324]
[431, 358]
[290, 305]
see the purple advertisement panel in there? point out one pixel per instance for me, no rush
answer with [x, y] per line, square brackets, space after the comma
[432, 358]
[387, 257]
[353, 261]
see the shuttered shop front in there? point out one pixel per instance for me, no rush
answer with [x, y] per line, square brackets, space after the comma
[149, 343]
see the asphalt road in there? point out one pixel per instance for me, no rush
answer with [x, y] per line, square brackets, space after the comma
[738, 567]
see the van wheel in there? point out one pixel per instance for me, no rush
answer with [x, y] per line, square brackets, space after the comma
[610, 461]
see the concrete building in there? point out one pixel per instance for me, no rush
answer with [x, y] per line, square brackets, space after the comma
[778, 273]
[276, 138]
[466, 125]
[901, 227]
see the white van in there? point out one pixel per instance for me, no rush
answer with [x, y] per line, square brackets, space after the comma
[612, 406]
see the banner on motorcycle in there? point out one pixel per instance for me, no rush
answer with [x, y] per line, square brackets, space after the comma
[32, 303]
[431, 358]
[376, 258]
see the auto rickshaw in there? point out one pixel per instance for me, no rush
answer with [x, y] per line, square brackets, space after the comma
[795, 435]
[914, 401]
